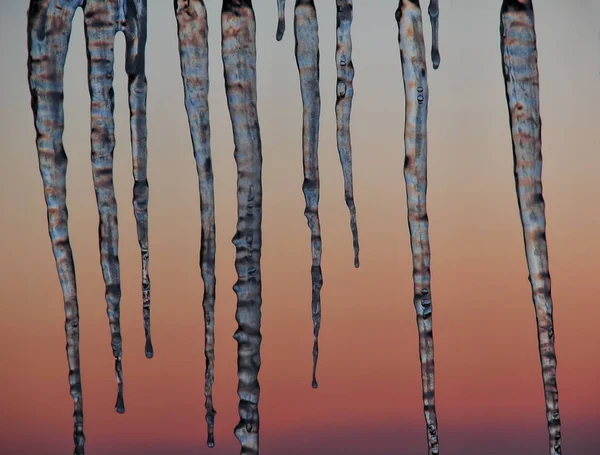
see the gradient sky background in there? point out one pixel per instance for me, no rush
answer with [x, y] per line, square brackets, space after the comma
[489, 388]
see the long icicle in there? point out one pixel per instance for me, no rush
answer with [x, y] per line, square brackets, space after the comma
[280, 20]
[135, 38]
[192, 27]
[102, 20]
[519, 58]
[414, 71]
[238, 27]
[48, 34]
[434, 17]
[306, 32]
[343, 107]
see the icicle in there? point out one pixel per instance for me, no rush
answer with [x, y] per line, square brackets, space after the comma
[100, 29]
[343, 106]
[306, 31]
[239, 62]
[280, 19]
[414, 70]
[135, 38]
[48, 34]
[192, 28]
[519, 55]
[434, 14]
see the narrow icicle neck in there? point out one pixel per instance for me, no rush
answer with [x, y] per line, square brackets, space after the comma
[306, 32]
[520, 69]
[414, 71]
[192, 32]
[238, 33]
[280, 19]
[434, 15]
[343, 107]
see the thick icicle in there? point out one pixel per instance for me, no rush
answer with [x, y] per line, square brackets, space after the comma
[238, 28]
[519, 56]
[48, 34]
[306, 31]
[101, 25]
[135, 39]
[414, 71]
[434, 16]
[280, 19]
[192, 28]
[343, 107]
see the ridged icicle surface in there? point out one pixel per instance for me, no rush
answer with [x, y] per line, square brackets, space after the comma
[49, 30]
[519, 64]
[192, 28]
[416, 91]
[238, 28]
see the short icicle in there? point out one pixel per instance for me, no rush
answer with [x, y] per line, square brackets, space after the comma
[101, 25]
[343, 107]
[434, 17]
[521, 76]
[414, 70]
[192, 27]
[48, 34]
[135, 30]
[280, 19]
[238, 27]
[306, 32]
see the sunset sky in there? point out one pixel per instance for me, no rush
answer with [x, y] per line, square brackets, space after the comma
[489, 392]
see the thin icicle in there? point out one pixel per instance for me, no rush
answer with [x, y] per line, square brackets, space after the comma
[343, 107]
[101, 25]
[519, 57]
[280, 19]
[306, 32]
[238, 28]
[192, 27]
[135, 39]
[414, 71]
[48, 34]
[434, 16]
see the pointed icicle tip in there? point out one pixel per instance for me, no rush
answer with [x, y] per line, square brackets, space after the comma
[280, 20]
[120, 405]
[149, 350]
[434, 14]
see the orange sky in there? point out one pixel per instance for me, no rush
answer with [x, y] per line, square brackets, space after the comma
[489, 389]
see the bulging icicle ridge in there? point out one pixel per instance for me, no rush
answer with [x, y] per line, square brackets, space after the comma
[238, 27]
[306, 32]
[519, 64]
[192, 27]
[414, 71]
[343, 107]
